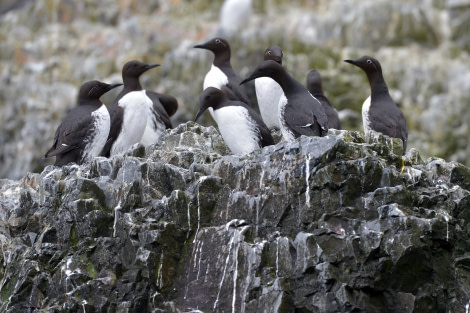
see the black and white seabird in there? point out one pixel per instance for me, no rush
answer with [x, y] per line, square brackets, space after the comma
[241, 127]
[82, 134]
[300, 113]
[268, 91]
[164, 106]
[314, 86]
[221, 72]
[234, 17]
[133, 111]
[379, 112]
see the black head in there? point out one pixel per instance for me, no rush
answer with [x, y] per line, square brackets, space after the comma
[211, 97]
[314, 84]
[94, 89]
[273, 53]
[268, 68]
[367, 64]
[219, 46]
[135, 68]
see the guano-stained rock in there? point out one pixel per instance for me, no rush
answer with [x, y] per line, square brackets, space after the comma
[319, 225]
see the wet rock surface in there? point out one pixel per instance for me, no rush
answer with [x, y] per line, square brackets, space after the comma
[319, 225]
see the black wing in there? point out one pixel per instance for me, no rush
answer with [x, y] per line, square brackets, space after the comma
[168, 102]
[158, 108]
[308, 119]
[70, 135]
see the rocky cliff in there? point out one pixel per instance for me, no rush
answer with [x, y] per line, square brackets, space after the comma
[319, 225]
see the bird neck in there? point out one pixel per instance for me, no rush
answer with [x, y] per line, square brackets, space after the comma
[132, 84]
[287, 82]
[222, 59]
[90, 101]
[377, 84]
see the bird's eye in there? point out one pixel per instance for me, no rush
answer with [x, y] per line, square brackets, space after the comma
[268, 52]
[369, 61]
[217, 41]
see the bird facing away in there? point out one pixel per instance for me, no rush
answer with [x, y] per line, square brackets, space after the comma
[379, 112]
[268, 92]
[314, 86]
[300, 113]
[221, 72]
[83, 132]
[240, 126]
[132, 112]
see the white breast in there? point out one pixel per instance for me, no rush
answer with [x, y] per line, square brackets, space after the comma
[268, 93]
[365, 118]
[214, 78]
[237, 128]
[285, 131]
[153, 130]
[101, 126]
[137, 107]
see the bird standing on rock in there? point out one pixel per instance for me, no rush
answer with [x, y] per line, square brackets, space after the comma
[300, 113]
[379, 111]
[133, 115]
[314, 86]
[241, 127]
[268, 91]
[221, 72]
[83, 132]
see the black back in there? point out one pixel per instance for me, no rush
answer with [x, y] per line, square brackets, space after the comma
[314, 86]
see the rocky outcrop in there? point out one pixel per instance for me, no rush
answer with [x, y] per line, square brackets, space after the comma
[319, 225]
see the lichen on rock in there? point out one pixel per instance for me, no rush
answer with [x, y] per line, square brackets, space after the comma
[318, 225]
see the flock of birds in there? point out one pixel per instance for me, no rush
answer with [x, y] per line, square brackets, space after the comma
[141, 116]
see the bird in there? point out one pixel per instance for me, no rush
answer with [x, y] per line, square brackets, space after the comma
[233, 18]
[136, 114]
[164, 106]
[314, 86]
[379, 112]
[221, 72]
[241, 127]
[300, 113]
[83, 132]
[268, 92]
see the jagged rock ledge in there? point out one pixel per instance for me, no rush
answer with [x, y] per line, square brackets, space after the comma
[320, 225]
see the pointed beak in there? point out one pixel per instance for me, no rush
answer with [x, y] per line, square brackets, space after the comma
[200, 46]
[249, 78]
[278, 59]
[151, 66]
[351, 61]
[112, 86]
[199, 113]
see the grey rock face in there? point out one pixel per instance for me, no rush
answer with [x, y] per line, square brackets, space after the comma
[319, 225]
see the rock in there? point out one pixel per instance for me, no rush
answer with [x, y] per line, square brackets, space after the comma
[318, 225]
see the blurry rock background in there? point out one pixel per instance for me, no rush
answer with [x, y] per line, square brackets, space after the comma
[49, 47]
